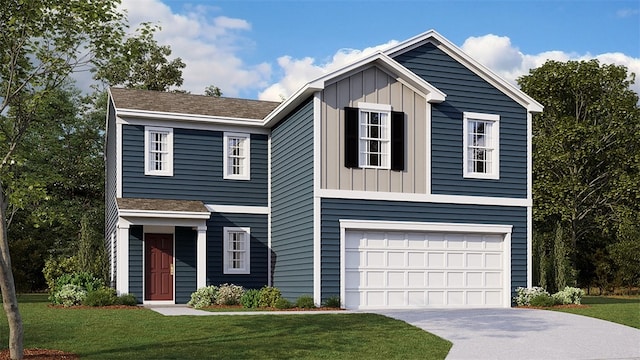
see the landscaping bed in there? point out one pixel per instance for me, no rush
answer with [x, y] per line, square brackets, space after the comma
[41, 354]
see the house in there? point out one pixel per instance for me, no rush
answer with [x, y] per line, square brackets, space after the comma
[401, 180]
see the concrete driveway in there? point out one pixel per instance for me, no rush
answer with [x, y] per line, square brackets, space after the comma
[524, 334]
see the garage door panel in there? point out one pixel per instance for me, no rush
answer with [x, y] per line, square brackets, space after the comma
[410, 269]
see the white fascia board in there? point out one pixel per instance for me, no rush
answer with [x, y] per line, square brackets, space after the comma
[291, 103]
[164, 214]
[431, 93]
[424, 198]
[177, 124]
[238, 209]
[484, 72]
[159, 115]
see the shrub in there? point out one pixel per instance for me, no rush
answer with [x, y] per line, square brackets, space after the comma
[127, 300]
[101, 297]
[332, 302]
[203, 297]
[524, 295]
[80, 278]
[229, 294]
[70, 295]
[268, 296]
[305, 302]
[55, 267]
[542, 300]
[568, 295]
[283, 303]
[250, 299]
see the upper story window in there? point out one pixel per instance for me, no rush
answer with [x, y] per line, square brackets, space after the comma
[374, 137]
[158, 151]
[236, 159]
[237, 250]
[481, 137]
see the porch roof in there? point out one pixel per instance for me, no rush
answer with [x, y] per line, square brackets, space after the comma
[161, 206]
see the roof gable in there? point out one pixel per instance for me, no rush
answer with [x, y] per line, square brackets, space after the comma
[457, 54]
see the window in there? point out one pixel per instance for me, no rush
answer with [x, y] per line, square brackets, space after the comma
[374, 137]
[236, 156]
[158, 151]
[481, 146]
[237, 250]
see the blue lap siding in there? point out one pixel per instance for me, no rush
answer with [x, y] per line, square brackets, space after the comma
[335, 209]
[467, 92]
[185, 263]
[259, 250]
[292, 203]
[197, 169]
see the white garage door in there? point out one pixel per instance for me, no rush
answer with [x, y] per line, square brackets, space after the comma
[423, 269]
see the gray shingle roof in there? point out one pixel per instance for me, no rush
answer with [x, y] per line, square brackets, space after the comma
[135, 99]
[160, 205]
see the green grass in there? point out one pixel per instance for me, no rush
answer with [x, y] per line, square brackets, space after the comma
[621, 310]
[144, 334]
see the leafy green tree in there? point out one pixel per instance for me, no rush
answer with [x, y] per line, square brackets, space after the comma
[213, 90]
[143, 64]
[41, 43]
[585, 159]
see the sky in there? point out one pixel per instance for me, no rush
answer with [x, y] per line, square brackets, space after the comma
[266, 50]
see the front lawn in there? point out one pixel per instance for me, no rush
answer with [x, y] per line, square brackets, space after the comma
[621, 310]
[144, 334]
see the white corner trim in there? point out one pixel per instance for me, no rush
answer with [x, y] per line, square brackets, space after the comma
[269, 244]
[529, 246]
[317, 234]
[423, 198]
[238, 209]
[118, 160]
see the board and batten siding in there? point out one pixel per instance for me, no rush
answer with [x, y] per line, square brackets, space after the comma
[467, 91]
[373, 85]
[335, 209]
[292, 203]
[197, 169]
[259, 252]
[111, 179]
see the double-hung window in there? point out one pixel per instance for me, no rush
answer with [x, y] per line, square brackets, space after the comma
[158, 151]
[374, 137]
[481, 153]
[236, 160]
[237, 250]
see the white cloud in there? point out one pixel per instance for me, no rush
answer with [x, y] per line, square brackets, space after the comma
[208, 45]
[298, 72]
[499, 55]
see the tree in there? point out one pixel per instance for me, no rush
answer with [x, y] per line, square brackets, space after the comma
[213, 90]
[143, 64]
[41, 43]
[586, 146]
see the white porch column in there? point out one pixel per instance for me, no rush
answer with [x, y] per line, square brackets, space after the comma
[201, 257]
[122, 248]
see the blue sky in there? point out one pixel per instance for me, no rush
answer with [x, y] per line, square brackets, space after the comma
[266, 49]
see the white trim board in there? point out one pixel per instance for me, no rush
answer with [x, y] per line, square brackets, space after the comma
[176, 124]
[423, 198]
[238, 209]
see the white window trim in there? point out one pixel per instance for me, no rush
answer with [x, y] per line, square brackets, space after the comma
[385, 142]
[147, 169]
[495, 135]
[247, 255]
[225, 156]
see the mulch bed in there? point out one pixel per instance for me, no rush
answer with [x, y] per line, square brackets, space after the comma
[41, 354]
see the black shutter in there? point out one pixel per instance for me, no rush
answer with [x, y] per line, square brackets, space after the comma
[351, 137]
[397, 140]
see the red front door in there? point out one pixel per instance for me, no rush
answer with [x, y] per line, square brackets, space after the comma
[158, 266]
